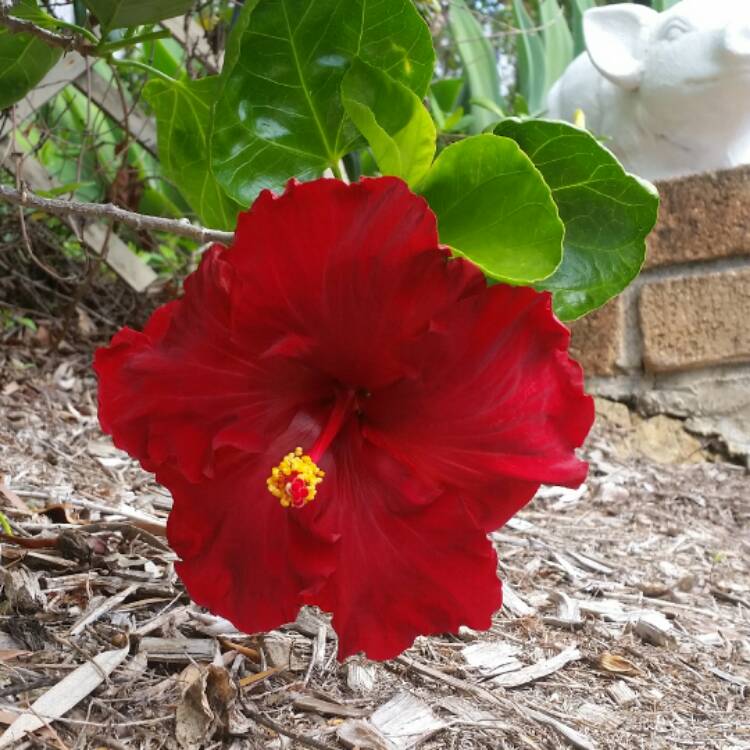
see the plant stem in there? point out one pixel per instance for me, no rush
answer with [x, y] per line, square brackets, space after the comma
[126, 63]
[107, 47]
[182, 228]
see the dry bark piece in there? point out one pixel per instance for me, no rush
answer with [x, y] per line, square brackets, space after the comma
[101, 608]
[58, 700]
[22, 590]
[360, 676]
[573, 736]
[654, 628]
[621, 694]
[568, 612]
[286, 651]
[178, 650]
[406, 721]
[492, 658]
[361, 735]
[536, 671]
[514, 604]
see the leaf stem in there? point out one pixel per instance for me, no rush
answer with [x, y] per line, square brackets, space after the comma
[127, 63]
[107, 47]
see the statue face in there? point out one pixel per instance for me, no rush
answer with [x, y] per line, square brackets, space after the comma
[687, 66]
[697, 58]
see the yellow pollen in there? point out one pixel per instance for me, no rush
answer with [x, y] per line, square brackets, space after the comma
[295, 480]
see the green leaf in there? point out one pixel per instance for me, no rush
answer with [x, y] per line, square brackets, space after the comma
[392, 118]
[494, 207]
[24, 61]
[445, 92]
[280, 112]
[28, 10]
[531, 67]
[183, 119]
[607, 213]
[480, 65]
[662, 5]
[116, 14]
[558, 41]
[579, 8]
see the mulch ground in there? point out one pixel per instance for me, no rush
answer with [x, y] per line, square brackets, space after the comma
[626, 621]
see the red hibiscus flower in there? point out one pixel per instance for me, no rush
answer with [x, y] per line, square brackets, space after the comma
[342, 413]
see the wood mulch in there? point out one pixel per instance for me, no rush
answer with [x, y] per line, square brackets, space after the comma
[626, 621]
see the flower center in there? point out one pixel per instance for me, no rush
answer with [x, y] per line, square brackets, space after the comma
[295, 480]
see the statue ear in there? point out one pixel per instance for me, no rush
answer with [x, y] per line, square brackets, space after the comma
[614, 37]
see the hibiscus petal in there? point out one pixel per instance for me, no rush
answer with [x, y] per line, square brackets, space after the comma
[402, 570]
[188, 385]
[344, 274]
[497, 408]
[243, 556]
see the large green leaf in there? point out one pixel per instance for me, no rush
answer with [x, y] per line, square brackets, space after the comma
[280, 112]
[558, 41]
[531, 67]
[183, 118]
[24, 61]
[392, 118]
[116, 14]
[607, 212]
[480, 65]
[494, 207]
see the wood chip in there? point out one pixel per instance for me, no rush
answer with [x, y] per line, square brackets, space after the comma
[568, 612]
[655, 628]
[178, 650]
[101, 609]
[360, 676]
[537, 671]
[492, 658]
[361, 735]
[621, 694]
[58, 700]
[573, 736]
[514, 604]
[406, 721]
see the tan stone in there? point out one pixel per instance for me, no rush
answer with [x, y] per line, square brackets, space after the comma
[597, 339]
[613, 413]
[702, 217]
[664, 440]
[694, 321]
[661, 438]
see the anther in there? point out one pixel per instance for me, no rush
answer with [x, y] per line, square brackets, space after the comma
[295, 480]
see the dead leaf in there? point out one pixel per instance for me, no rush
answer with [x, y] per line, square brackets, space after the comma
[614, 663]
[205, 708]
[85, 324]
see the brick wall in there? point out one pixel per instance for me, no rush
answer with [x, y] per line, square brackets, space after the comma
[681, 333]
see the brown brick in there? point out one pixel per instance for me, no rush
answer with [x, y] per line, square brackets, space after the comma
[702, 217]
[694, 321]
[597, 339]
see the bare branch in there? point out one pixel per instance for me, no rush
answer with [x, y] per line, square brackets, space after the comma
[108, 211]
[63, 41]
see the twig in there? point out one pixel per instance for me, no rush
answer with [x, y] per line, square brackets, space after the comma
[301, 739]
[63, 41]
[180, 227]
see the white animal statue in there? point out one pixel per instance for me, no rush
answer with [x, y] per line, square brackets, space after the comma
[670, 91]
